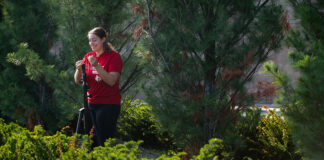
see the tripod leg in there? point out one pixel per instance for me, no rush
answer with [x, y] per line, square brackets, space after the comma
[87, 122]
[81, 112]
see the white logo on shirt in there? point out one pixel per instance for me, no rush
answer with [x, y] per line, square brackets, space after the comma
[94, 71]
[97, 78]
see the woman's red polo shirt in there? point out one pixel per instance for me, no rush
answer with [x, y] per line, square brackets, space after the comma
[101, 92]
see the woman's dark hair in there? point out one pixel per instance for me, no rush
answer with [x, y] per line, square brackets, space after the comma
[101, 33]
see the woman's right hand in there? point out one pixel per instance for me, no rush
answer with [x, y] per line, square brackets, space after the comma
[78, 64]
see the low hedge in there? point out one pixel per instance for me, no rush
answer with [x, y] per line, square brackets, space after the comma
[265, 137]
[17, 142]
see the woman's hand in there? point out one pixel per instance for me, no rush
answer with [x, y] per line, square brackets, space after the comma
[78, 64]
[93, 61]
[77, 74]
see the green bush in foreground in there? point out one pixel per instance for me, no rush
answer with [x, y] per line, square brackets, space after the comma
[215, 149]
[137, 122]
[17, 142]
[265, 137]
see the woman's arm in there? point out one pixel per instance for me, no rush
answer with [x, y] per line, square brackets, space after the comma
[78, 72]
[78, 76]
[109, 78]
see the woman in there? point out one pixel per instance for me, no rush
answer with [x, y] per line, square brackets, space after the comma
[103, 69]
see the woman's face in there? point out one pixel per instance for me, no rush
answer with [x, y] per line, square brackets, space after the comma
[95, 42]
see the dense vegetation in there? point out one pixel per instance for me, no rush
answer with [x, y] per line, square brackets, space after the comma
[267, 137]
[302, 102]
[191, 60]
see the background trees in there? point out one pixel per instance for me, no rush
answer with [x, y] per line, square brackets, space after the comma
[24, 100]
[200, 55]
[303, 102]
[76, 18]
[55, 33]
[194, 57]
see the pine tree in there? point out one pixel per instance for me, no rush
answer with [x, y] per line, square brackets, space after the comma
[302, 103]
[22, 99]
[200, 56]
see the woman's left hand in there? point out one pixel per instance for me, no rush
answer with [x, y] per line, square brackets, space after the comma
[93, 61]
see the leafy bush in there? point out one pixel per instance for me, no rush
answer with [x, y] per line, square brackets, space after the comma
[19, 143]
[269, 139]
[215, 149]
[128, 150]
[136, 122]
[266, 137]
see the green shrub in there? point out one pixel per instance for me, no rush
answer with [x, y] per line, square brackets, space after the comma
[128, 150]
[215, 149]
[136, 122]
[275, 138]
[246, 130]
[18, 143]
[265, 137]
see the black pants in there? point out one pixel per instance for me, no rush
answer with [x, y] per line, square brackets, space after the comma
[106, 116]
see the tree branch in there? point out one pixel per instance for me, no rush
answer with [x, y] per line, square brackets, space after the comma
[130, 77]
[151, 34]
[130, 54]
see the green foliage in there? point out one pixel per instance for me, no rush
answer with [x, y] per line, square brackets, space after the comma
[137, 122]
[275, 138]
[200, 54]
[265, 137]
[40, 85]
[75, 18]
[215, 149]
[19, 143]
[128, 150]
[269, 139]
[38, 71]
[23, 99]
[246, 128]
[302, 102]
[27, 21]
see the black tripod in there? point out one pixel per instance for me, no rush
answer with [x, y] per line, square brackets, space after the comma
[86, 111]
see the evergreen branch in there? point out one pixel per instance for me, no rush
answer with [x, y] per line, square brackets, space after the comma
[128, 25]
[129, 86]
[260, 50]
[246, 25]
[186, 6]
[131, 53]
[192, 50]
[124, 31]
[152, 36]
[132, 83]
[71, 97]
[236, 38]
[131, 77]
[123, 44]
[118, 4]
